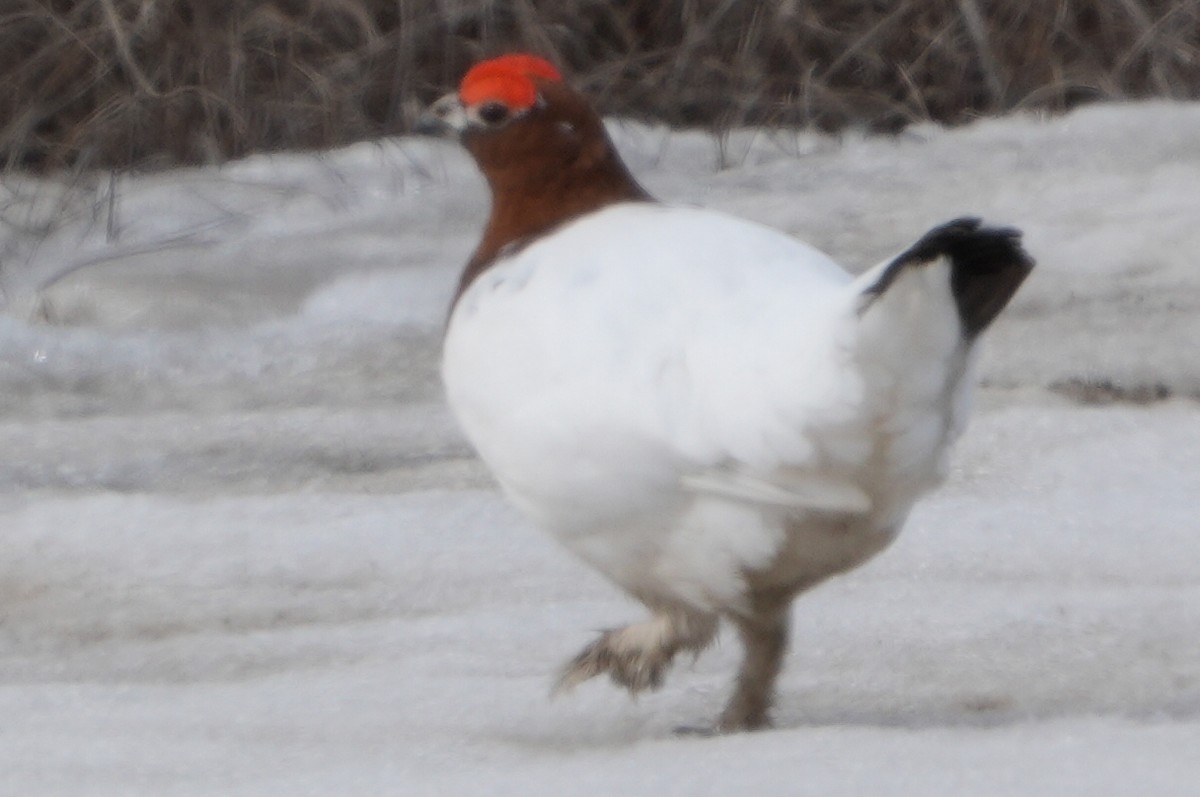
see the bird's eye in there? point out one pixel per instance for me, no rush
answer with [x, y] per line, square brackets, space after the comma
[493, 113]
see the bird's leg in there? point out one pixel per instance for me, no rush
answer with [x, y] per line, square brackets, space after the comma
[637, 656]
[764, 635]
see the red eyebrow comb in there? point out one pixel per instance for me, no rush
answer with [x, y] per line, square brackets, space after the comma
[507, 79]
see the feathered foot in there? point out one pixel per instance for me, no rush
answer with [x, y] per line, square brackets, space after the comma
[638, 656]
[764, 637]
[764, 634]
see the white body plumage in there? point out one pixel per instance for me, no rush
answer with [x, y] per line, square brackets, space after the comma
[691, 402]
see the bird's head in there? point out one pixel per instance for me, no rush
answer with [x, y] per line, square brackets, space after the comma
[539, 143]
[521, 121]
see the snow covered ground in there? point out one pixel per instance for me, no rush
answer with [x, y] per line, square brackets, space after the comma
[244, 551]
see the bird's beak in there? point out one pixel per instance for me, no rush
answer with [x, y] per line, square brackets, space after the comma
[447, 116]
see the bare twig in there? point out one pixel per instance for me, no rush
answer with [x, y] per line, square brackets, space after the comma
[977, 29]
[124, 51]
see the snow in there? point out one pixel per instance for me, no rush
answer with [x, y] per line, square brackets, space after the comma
[246, 552]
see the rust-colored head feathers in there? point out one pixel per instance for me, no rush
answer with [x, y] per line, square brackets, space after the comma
[508, 79]
[542, 148]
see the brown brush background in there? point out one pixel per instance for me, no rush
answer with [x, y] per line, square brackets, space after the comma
[146, 83]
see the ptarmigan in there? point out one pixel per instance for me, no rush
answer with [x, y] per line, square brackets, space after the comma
[712, 414]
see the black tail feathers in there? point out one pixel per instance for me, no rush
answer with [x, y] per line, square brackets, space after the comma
[988, 264]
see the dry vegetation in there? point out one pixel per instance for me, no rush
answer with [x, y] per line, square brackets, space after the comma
[120, 83]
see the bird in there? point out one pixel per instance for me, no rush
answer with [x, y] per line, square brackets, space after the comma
[709, 412]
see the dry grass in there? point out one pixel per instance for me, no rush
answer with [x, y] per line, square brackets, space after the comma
[143, 83]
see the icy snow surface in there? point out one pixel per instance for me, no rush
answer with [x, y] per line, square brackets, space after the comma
[245, 551]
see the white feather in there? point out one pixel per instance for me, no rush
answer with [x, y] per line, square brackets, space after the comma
[800, 490]
[670, 391]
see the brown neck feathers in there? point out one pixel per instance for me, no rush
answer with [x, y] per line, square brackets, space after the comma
[552, 165]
